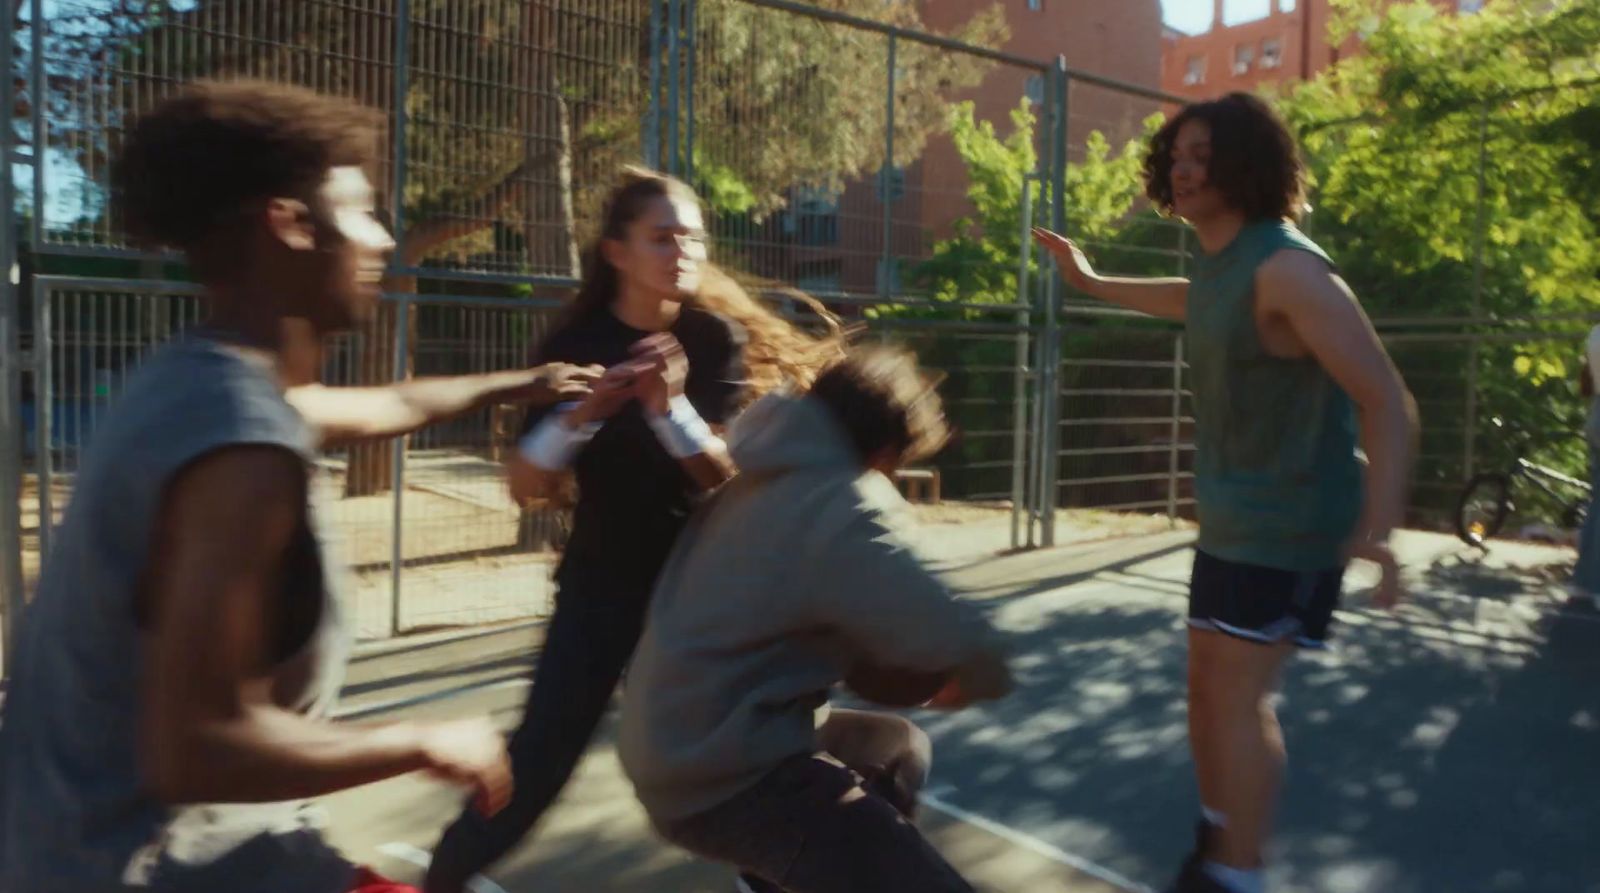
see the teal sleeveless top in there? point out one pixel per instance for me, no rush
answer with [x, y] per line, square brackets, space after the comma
[1277, 481]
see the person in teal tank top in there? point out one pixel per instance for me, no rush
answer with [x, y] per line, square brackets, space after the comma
[1289, 380]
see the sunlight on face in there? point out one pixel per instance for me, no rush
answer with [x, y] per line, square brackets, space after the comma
[665, 251]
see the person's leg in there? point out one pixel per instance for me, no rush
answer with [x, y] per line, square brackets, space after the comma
[889, 751]
[1232, 684]
[587, 644]
[1244, 622]
[810, 827]
[1586, 573]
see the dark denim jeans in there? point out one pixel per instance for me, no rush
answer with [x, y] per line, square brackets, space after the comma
[834, 822]
[587, 645]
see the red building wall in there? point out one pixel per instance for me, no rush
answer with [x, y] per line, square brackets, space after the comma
[1302, 33]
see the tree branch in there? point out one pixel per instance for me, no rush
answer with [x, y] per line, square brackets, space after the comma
[425, 237]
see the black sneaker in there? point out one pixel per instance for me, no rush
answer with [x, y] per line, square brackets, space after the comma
[1193, 879]
[749, 883]
[1195, 861]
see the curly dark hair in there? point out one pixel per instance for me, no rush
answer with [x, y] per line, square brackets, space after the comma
[1254, 161]
[201, 156]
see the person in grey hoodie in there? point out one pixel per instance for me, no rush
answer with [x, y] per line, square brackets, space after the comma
[788, 582]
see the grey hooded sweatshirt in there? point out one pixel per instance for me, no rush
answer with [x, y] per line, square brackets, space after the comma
[791, 574]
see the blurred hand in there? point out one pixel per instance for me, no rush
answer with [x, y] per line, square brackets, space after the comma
[609, 393]
[1378, 551]
[1070, 260]
[665, 369]
[472, 753]
[558, 383]
[984, 679]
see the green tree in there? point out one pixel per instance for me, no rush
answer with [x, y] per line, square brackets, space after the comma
[1396, 139]
[979, 264]
[517, 112]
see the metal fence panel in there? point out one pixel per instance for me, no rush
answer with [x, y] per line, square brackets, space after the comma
[466, 554]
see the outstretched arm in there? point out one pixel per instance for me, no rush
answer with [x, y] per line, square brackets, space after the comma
[1324, 314]
[1163, 297]
[347, 415]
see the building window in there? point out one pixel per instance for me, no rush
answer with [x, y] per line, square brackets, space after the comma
[1036, 5]
[888, 276]
[1195, 73]
[1468, 7]
[1034, 89]
[1271, 53]
[816, 214]
[1286, 5]
[1242, 57]
[891, 184]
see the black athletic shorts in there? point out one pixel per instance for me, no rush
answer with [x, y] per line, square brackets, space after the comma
[1263, 604]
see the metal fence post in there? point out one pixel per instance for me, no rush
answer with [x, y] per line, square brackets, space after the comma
[402, 343]
[1019, 387]
[38, 89]
[689, 14]
[1469, 436]
[885, 193]
[402, 88]
[652, 121]
[674, 72]
[1050, 390]
[11, 427]
[1176, 430]
[44, 399]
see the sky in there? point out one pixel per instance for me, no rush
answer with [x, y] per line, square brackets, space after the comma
[1194, 16]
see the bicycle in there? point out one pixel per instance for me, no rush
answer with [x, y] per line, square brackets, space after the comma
[1486, 499]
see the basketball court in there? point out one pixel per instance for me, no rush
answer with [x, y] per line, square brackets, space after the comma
[1448, 746]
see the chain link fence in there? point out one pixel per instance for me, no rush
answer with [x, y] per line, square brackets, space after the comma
[822, 145]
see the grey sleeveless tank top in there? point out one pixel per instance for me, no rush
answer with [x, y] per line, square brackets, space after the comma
[74, 813]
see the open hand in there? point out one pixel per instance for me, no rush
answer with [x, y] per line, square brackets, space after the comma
[471, 752]
[1379, 552]
[1070, 260]
[664, 369]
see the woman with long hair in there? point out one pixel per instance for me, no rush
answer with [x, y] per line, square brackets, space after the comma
[684, 347]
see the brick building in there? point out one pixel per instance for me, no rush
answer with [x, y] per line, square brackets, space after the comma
[837, 240]
[1289, 44]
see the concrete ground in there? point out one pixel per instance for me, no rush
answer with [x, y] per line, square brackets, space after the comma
[1449, 747]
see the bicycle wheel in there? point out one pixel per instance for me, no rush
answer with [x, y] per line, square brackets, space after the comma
[1484, 505]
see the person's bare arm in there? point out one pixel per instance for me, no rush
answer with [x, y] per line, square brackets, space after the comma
[1325, 316]
[211, 730]
[1166, 297]
[348, 415]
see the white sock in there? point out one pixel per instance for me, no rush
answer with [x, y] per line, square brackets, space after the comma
[1214, 817]
[1236, 879]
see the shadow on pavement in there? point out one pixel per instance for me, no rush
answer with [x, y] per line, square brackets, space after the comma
[1434, 750]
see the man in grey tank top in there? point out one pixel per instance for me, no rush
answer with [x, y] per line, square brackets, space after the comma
[166, 717]
[1288, 377]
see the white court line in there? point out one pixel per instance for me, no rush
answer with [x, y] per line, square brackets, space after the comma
[419, 857]
[933, 800]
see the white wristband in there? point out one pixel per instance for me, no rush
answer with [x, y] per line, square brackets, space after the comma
[681, 430]
[553, 444]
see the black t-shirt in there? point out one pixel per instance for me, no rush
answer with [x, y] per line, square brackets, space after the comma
[633, 498]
